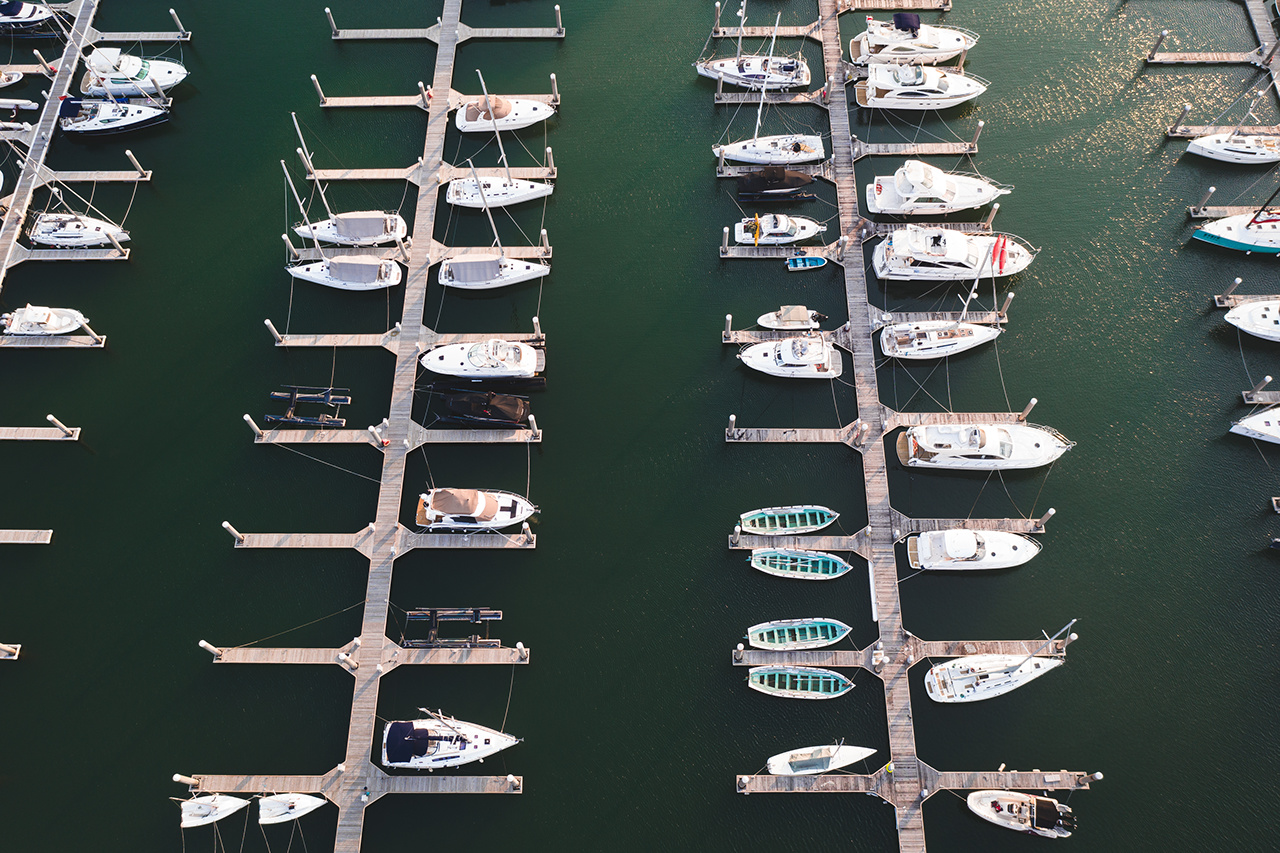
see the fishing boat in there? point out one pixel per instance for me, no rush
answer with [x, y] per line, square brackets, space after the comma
[71, 230]
[978, 677]
[981, 447]
[905, 39]
[957, 548]
[752, 71]
[775, 229]
[471, 509]
[1260, 318]
[1263, 425]
[805, 262]
[1027, 813]
[934, 338]
[490, 112]
[795, 358]
[914, 87]
[91, 117]
[946, 254]
[786, 520]
[799, 564]
[918, 189]
[18, 17]
[797, 634]
[350, 272]
[111, 73]
[1234, 146]
[774, 183]
[486, 408]
[791, 318]
[491, 359]
[281, 808]
[40, 320]
[202, 811]
[798, 682]
[812, 760]
[439, 741]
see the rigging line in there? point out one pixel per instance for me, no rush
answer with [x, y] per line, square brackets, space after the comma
[1243, 363]
[910, 576]
[330, 464]
[132, 197]
[1032, 513]
[979, 495]
[510, 690]
[1000, 370]
[836, 404]
[1010, 496]
[359, 603]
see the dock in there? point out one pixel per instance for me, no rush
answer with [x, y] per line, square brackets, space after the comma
[911, 781]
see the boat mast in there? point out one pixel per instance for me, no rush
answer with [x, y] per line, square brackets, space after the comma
[310, 228]
[742, 25]
[1247, 113]
[306, 161]
[760, 109]
[502, 151]
[1047, 642]
[1260, 210]
[487, 212]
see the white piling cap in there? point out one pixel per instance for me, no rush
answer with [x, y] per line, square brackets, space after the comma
[740, 646]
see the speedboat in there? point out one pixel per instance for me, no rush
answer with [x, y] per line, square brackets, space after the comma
[918, 189]
[111, 73]
[978, 677]
[357, 228]
[485, 272]
[981, 447]
[780, 150]
[812, 760]
[798, 563]
[1236, 147]
[969, 549]
[1248, 232]
[757, 72]
[1023, 812]
[787, 520]
[504, 113]
[905, 39]
[934, 338]
[39, 320]
[103, 118]
[914, 87]
[491, 359]
[439, 741]
[464, 192]
[201, 811]
[71, 230]
[280, 808]
[776, 229]
[791, 318]
[795, 358]
[784, 635]
[773, 183]
[350, 272]
[798, 682]
[1263, 425]
[1261, 318]
[945, 254]
[487, 408]
[470, 509]
[15, 16]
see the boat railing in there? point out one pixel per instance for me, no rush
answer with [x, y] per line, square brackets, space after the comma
[1053, 432]
[1021, 242]
[962, 73]
[984, 178]
[970, 33]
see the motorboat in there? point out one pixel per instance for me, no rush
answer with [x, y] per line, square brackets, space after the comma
[914, 87]
[773, 183]
[1236, 147]
[797, 634]
[471, 509]
[918, 189]
[282, 808]
[757, 72]
[8, 78]
[934, 338]
[491, 111]
[350, 272]
[356, 228]
[786, 520]
[778, 150]
[905, 39]
[798, 682]
[776, 229]
[798, 563]
[812, 760]
[1249, 232]
[71, 230]
[1260, 318]
[496, 192]
[202, 811]
[1027, 813]
[791, 318]
[92, 117]
[795, 358]
[439, 741]
[1263, 425]
[946, 254]
[39, 320]
[111, 73]
[978, 677]
[981, 447]
[16, 17]
[491, 359]
[485, 272]
[804, 263]
[486, 408]
[957, 548]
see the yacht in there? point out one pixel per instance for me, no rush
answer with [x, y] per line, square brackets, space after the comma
[350, 272]
[914, 87]
[1027, 813]
[16, 17]
[953, 549]
[471, 509]
[39, 320]
[905, 39]
[812, 760]
[1260, 318]
[71, 230]
[90, 117]
[357, 228]
[485, 113]
[776, 229]
[491, 359]
[1263, 425]
[439, 741]
[774, 183]
[918, 189]
[945, 254]
[795, 358]
[981, 447]
[111, 73]
[978, 677]
[934, 338]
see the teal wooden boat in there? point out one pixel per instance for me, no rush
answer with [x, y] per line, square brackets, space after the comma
[803, 565]
[797, 634]
[806, 262]
[786, 520]
[798, 682]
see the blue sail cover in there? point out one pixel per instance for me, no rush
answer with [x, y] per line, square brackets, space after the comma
[907, 22]
[69, 107]
[10, 8]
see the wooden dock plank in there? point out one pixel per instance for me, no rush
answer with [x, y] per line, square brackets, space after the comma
[858, 543]
[386, 340]
[789, 435]
[53, 341]
[814, 98]
[395, 656]
[1220, 211]
[1205, 58]
[960, 648]
[1191, 131]
[38, 434]
[256, 654]
[26, 537]
[469, 540]
[829, 783]
[129, 37]
[828, 658]
[304, 540]
[911, 149]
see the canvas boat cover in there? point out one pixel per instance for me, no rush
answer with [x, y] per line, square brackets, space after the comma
[476, 268]
[406, 741]
[69, 107]
[355, 269]
[490, 406]
[794, 314]
[817, 759]
[1046, 812]
[107, 60]
[908, 22]
[772, 179]
[360, 224]
[463, 502]
[10, 8]
[501, 108]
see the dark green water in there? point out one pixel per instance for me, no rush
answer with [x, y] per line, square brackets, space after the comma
[634, 721]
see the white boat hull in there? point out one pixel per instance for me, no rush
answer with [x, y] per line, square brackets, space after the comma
[523, 113]
[757, 72]
[944, 254]
[821, 359]
[498, 192]
[918, 189]
[812, 760]
[882, 42]
[205, 810]
[1246, 232]
[29, 16]
[455, 743]
[72, 231]
[934, 338]
[494, 359]
[1232, 148]
[317, 272]
[898, 87]
[509, 272]
[282, 808]
[1264, 425]
[39, 320]
[791, 318]
[1260, 319]
[779, 150]
[104, 118]
[1020, 812]
[162, 72]
[508, 508]
[978, 677]
[980, 447]
[326, 231]
[959, 550]
[776, 230]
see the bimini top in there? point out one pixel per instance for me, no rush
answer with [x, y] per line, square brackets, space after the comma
[360, 224]
[470, 269]
[463, 502]
[908, 22]
[355, 269]
[960, 544]
[500, 108]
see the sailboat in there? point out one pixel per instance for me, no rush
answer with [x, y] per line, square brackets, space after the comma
[201, 811]
[1249, 232]
[439, 741]
[756, 72]
[110, 73]
[977, 677]
[924, 339]
[812, 760]
[71, 230]
[280, 808]
[472, 192]
[1260, 318]
[778, 150]
[1263, 425]
[483, 271]
[1237, 147]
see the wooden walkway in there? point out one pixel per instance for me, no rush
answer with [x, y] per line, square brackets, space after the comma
[1191, 131]
[1219, 211]
[1264, 56]
[38, 434]
[26, 537]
